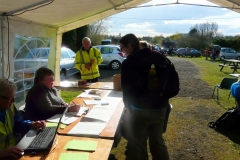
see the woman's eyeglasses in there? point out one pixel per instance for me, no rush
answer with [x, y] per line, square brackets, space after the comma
[122, 47]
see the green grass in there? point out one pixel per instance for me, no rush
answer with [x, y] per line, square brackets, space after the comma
[68, 96]
[210, 73]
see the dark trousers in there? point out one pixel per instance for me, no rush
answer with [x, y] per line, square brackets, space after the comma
[140, 126]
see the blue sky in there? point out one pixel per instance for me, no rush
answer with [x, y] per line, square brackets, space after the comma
[170, 19]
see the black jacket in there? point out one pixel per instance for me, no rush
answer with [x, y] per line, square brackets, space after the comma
[133, 80]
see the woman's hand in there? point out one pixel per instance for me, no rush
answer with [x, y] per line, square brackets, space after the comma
[64, 104]
[38, 124]
[12, 152]
[74, 108]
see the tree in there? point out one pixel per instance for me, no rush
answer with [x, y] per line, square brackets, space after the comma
[157, 39]
[193, 32]
[176, 36]
[69, 39]
[97, 31]
[227, 41]
[80, 33]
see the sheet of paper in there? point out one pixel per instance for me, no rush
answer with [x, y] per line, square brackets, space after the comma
[89, 95]
[114, 94]
[50, 124]
[67, 156]
[81, 145]
[67, 119]
[81, 111]
[102, 102]
[85, 94]
[106, 86]
[63, 126]
[101, 113]
[54, 118]
[89, 129]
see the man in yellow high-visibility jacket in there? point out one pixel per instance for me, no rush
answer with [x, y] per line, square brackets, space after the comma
[87, 61]
[11, 122]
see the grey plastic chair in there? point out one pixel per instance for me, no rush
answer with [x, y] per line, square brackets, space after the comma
[225, 84]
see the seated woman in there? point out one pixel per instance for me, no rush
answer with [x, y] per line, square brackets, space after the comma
[43, 101]
[235, 91]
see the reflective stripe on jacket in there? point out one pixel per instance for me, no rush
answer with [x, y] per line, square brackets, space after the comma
[83, 57]
[7, 137]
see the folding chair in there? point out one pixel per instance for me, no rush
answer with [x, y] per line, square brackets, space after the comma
[225, 84]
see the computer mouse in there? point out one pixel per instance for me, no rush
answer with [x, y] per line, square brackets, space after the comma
[22, 153]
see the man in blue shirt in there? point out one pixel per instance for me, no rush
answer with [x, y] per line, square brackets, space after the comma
[235, 91]
[11, 122]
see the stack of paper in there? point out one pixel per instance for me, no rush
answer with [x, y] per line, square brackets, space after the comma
[88, 129]
[67, 119]
[82, 110]
[81, 145]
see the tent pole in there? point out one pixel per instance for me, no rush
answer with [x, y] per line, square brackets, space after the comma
[1, 49]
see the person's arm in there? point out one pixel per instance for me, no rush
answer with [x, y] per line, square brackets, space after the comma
[127, 78]
[98, 59]
[12, 152]
[43, 99]
[20, 126]
[78, 62]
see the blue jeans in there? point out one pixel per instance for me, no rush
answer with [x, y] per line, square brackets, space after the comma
[144, 124]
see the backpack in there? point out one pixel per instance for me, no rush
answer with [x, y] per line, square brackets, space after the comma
[230, 120]
[160, 83]
[165, 81]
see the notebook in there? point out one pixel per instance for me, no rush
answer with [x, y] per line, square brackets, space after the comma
[40, 140]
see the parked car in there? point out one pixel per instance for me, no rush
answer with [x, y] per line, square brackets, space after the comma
[191, 52]
[156, 48]
[198, 52]
[228, 53]
[174, 51]
[112, 56]
[180, 51]
[38, 57]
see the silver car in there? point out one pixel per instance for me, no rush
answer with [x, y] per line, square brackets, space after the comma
[112, 56]
[228, 53]
[38, 57]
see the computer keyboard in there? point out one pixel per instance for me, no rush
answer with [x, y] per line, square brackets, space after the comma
[41, 138]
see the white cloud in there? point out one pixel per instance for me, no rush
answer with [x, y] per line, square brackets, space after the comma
[149, 21]
[141, 26]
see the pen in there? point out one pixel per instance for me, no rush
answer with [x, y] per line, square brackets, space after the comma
[87, 110]
[73, 102]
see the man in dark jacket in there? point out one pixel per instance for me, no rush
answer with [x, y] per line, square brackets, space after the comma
[142, 121]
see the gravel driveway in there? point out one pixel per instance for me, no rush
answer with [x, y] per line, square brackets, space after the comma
[190, 83]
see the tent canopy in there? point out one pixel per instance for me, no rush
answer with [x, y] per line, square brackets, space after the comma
[64, 14]
[230, 4]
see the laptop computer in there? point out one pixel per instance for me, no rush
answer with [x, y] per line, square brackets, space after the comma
[40, 140]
